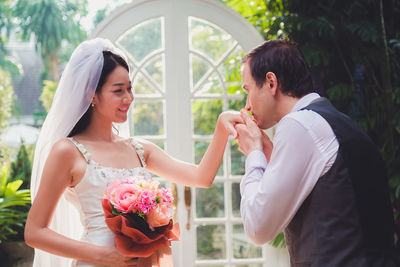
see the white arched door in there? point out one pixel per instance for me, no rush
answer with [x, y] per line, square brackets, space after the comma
[185, 57]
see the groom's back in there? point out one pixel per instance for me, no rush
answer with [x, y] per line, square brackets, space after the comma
[347, 219]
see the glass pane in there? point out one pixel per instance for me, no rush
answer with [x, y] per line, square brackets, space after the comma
[209, 39]
[148, 118]
[242, 246]
[212, 86]
[230, 70]
[237, 159]
[238, 104]
[211, 241]
[142, 39]
[210, 201]
[142, 87]
[199, 68]
[155, 68]
[236, 199]
[200, 148]
[205, 115]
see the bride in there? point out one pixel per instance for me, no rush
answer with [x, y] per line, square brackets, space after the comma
[78, 153]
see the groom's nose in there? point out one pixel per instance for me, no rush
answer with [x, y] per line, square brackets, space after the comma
[248, 106]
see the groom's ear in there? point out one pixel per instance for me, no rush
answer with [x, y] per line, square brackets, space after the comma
[271, 83]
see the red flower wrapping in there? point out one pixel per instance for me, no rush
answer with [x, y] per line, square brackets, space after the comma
[133, 237]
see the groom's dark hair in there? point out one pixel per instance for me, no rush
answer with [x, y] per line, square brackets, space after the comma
[285, 60]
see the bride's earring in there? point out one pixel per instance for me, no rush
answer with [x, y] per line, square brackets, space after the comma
[92, 105]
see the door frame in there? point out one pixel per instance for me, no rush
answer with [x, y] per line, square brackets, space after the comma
[178, 126]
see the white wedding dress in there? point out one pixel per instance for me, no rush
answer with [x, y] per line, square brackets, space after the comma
[88, 193]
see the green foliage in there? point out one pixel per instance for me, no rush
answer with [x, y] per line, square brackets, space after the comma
[6, 99]
[21, 168]
[52, 21]
[14, 205]
[279, 241]
[143, 39]
[100, 16]
[353, 49]
[6, 62]
[266, 16]
[360, 76]
[48, 92]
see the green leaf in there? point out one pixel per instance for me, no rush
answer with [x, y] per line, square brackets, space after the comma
[279, 241]
[3, 179]
[12, 187]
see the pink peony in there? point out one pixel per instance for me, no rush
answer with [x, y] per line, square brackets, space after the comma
[159, 216]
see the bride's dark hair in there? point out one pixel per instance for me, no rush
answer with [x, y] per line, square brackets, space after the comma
[111, 62]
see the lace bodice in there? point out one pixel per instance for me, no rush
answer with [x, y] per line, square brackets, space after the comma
[88, 193]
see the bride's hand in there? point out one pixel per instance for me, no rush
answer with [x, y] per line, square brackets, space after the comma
[229, 119]
[113, 258]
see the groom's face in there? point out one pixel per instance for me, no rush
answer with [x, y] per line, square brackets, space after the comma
[259, 100]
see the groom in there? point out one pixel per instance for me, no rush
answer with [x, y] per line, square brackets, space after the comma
[322, 180]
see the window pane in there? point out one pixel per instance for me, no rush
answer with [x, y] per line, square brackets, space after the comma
[210, 201]
[205, 115]
[200, 148]
[155, 69]
[242, 246]
[237, 159]
[211, 242]
[212, 86]
[238, 104]
[199, 68]
[209, 39]
[148, 118]
[230, 70]
[236, 199]
[141, 86]
[143, 39]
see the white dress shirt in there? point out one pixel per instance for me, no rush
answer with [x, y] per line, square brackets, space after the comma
[305, 147]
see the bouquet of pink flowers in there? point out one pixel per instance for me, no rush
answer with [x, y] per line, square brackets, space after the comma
[139, 213]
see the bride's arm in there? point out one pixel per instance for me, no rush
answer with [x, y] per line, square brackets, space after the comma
[57, 176]
[202, 175]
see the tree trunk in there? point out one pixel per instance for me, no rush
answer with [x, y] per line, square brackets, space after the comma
[384, 68]
[52, 65]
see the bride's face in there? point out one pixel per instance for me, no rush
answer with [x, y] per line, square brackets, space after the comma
[115, 97]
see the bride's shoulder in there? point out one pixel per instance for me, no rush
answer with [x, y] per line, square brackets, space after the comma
[64, 148]
[145, 146]
[143, 143]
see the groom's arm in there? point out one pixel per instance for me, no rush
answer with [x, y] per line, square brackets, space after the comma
[272, 194]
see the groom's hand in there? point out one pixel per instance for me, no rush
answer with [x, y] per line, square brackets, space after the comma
[250, 137]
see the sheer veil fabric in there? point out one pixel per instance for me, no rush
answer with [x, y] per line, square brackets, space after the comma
[74, 94]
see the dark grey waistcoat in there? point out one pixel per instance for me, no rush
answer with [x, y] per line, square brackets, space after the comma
[347, 220]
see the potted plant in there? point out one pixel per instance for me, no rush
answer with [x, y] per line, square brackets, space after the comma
[14, 206]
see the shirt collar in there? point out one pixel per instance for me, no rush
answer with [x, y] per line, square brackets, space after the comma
[305, 101]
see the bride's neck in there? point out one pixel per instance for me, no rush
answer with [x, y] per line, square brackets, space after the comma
[100, 130]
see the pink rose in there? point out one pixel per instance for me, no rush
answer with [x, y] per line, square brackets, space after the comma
[159, 216]
[124, 197]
